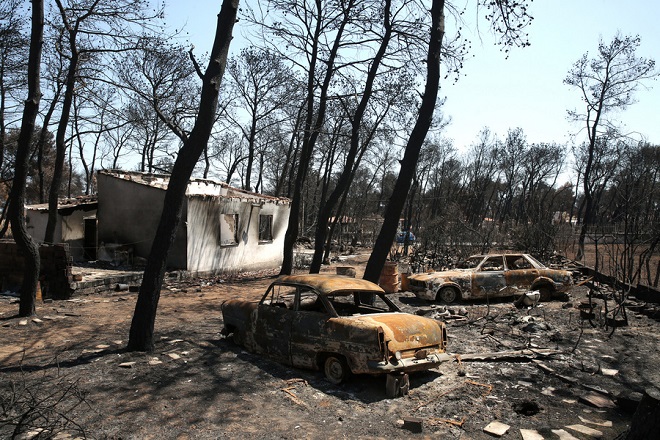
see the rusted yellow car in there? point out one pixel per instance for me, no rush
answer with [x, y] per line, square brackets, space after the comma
[337, 324]
[491, 276]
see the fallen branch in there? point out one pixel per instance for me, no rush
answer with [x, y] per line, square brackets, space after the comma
[435, 421]
[293, 397]
[585, 281]
[485, 385]
[548, 370]
[515, 355]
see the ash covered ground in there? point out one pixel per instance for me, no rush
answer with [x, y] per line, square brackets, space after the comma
[543, 369]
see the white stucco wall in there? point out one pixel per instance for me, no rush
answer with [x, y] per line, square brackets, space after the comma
[70, 228]
[73, 232]
[36, 225]
[129, 212]
[206, 254]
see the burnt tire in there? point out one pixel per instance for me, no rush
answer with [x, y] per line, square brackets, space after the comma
[336, 369]
[546, 293]
[397, 385]
[237, 338]
[448, 295]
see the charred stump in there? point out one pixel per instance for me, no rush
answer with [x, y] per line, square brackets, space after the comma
[646, 421]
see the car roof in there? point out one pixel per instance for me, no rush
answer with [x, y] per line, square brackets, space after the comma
[328, 283]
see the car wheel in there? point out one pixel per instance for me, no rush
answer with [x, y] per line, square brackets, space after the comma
[236, 337]
[397, 385]
[546, 292]
[336, 370]
[447, 295]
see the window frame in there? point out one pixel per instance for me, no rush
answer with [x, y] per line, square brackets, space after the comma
[269, 239]
[224, 226]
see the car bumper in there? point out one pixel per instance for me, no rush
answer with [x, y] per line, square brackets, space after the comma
[408, 365]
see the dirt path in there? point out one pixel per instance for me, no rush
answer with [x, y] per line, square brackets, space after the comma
[198, 385]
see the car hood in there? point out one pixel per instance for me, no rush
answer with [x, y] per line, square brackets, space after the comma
[405, 331]
[456, 273]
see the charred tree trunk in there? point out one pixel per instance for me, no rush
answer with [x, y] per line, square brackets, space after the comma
[411, 155]
[60, 146]
[142, 327]
[42, 142]
[646, 421]
[347, 174]
[409, 217]
[312, 128]
[17, 196]
[286, 176]
[251, 149]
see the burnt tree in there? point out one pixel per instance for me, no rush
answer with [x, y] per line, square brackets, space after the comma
[646, 421]
[413, 147]
[16, 213]
[356, 123]
[141, 336]
[87, 31]
[508, 19]
[606, 83]
[314, 117]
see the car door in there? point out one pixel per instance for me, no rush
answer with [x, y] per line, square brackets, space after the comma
[309, 333]
[273, 320]
[520, 274]
[488, 279]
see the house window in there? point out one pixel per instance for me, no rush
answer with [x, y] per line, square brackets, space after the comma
[265, 228]
[228, 229]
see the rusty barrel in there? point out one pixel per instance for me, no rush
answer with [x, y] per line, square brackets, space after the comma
[389, 277]
[405, 282]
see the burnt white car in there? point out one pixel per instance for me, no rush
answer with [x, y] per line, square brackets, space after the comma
[339, 325]
[491, 276]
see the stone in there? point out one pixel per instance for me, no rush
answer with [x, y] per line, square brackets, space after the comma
[548, 391]
[496, 428]
[412, 424]
[597, 400]
[127, 364]
[586, 430]
[605, 424]
[530, 434]
[563, 435]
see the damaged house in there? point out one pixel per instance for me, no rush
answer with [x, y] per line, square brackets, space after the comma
[223, 229]
[75, 227]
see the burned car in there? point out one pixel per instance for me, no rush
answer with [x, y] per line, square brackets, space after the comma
[339, 325]
[490, 276]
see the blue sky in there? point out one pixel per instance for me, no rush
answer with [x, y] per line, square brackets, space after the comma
[526, 90]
